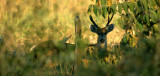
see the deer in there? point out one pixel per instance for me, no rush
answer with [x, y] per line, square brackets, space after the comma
[50, 49]
[101, 44]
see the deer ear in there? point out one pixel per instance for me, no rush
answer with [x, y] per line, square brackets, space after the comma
[110, 28]
[94, 28]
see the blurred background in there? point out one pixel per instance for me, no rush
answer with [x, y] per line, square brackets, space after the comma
[27, 23]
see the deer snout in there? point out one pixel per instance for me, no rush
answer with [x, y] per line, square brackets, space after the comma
[102, 40]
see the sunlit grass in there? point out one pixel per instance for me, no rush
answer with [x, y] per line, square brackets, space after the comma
[26, 23]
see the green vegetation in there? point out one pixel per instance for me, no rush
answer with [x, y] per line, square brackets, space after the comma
[25, 24]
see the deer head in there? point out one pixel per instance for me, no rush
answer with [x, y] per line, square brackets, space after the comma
[102, 32]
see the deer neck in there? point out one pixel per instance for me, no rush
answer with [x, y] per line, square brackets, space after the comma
[102, 46]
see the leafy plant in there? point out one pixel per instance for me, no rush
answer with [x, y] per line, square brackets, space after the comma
[140, 17]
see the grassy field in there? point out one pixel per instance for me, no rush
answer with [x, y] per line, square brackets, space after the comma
[26, 23]
[31, 22]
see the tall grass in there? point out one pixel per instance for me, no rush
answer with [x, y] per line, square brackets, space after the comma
[26, 23]
[30, 22]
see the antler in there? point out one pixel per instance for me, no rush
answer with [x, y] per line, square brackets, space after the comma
[92, 20]
[109, 19]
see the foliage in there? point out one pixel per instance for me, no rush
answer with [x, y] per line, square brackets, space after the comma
[24, 24]
[102, 7]
[140, 18]
[141, 21]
